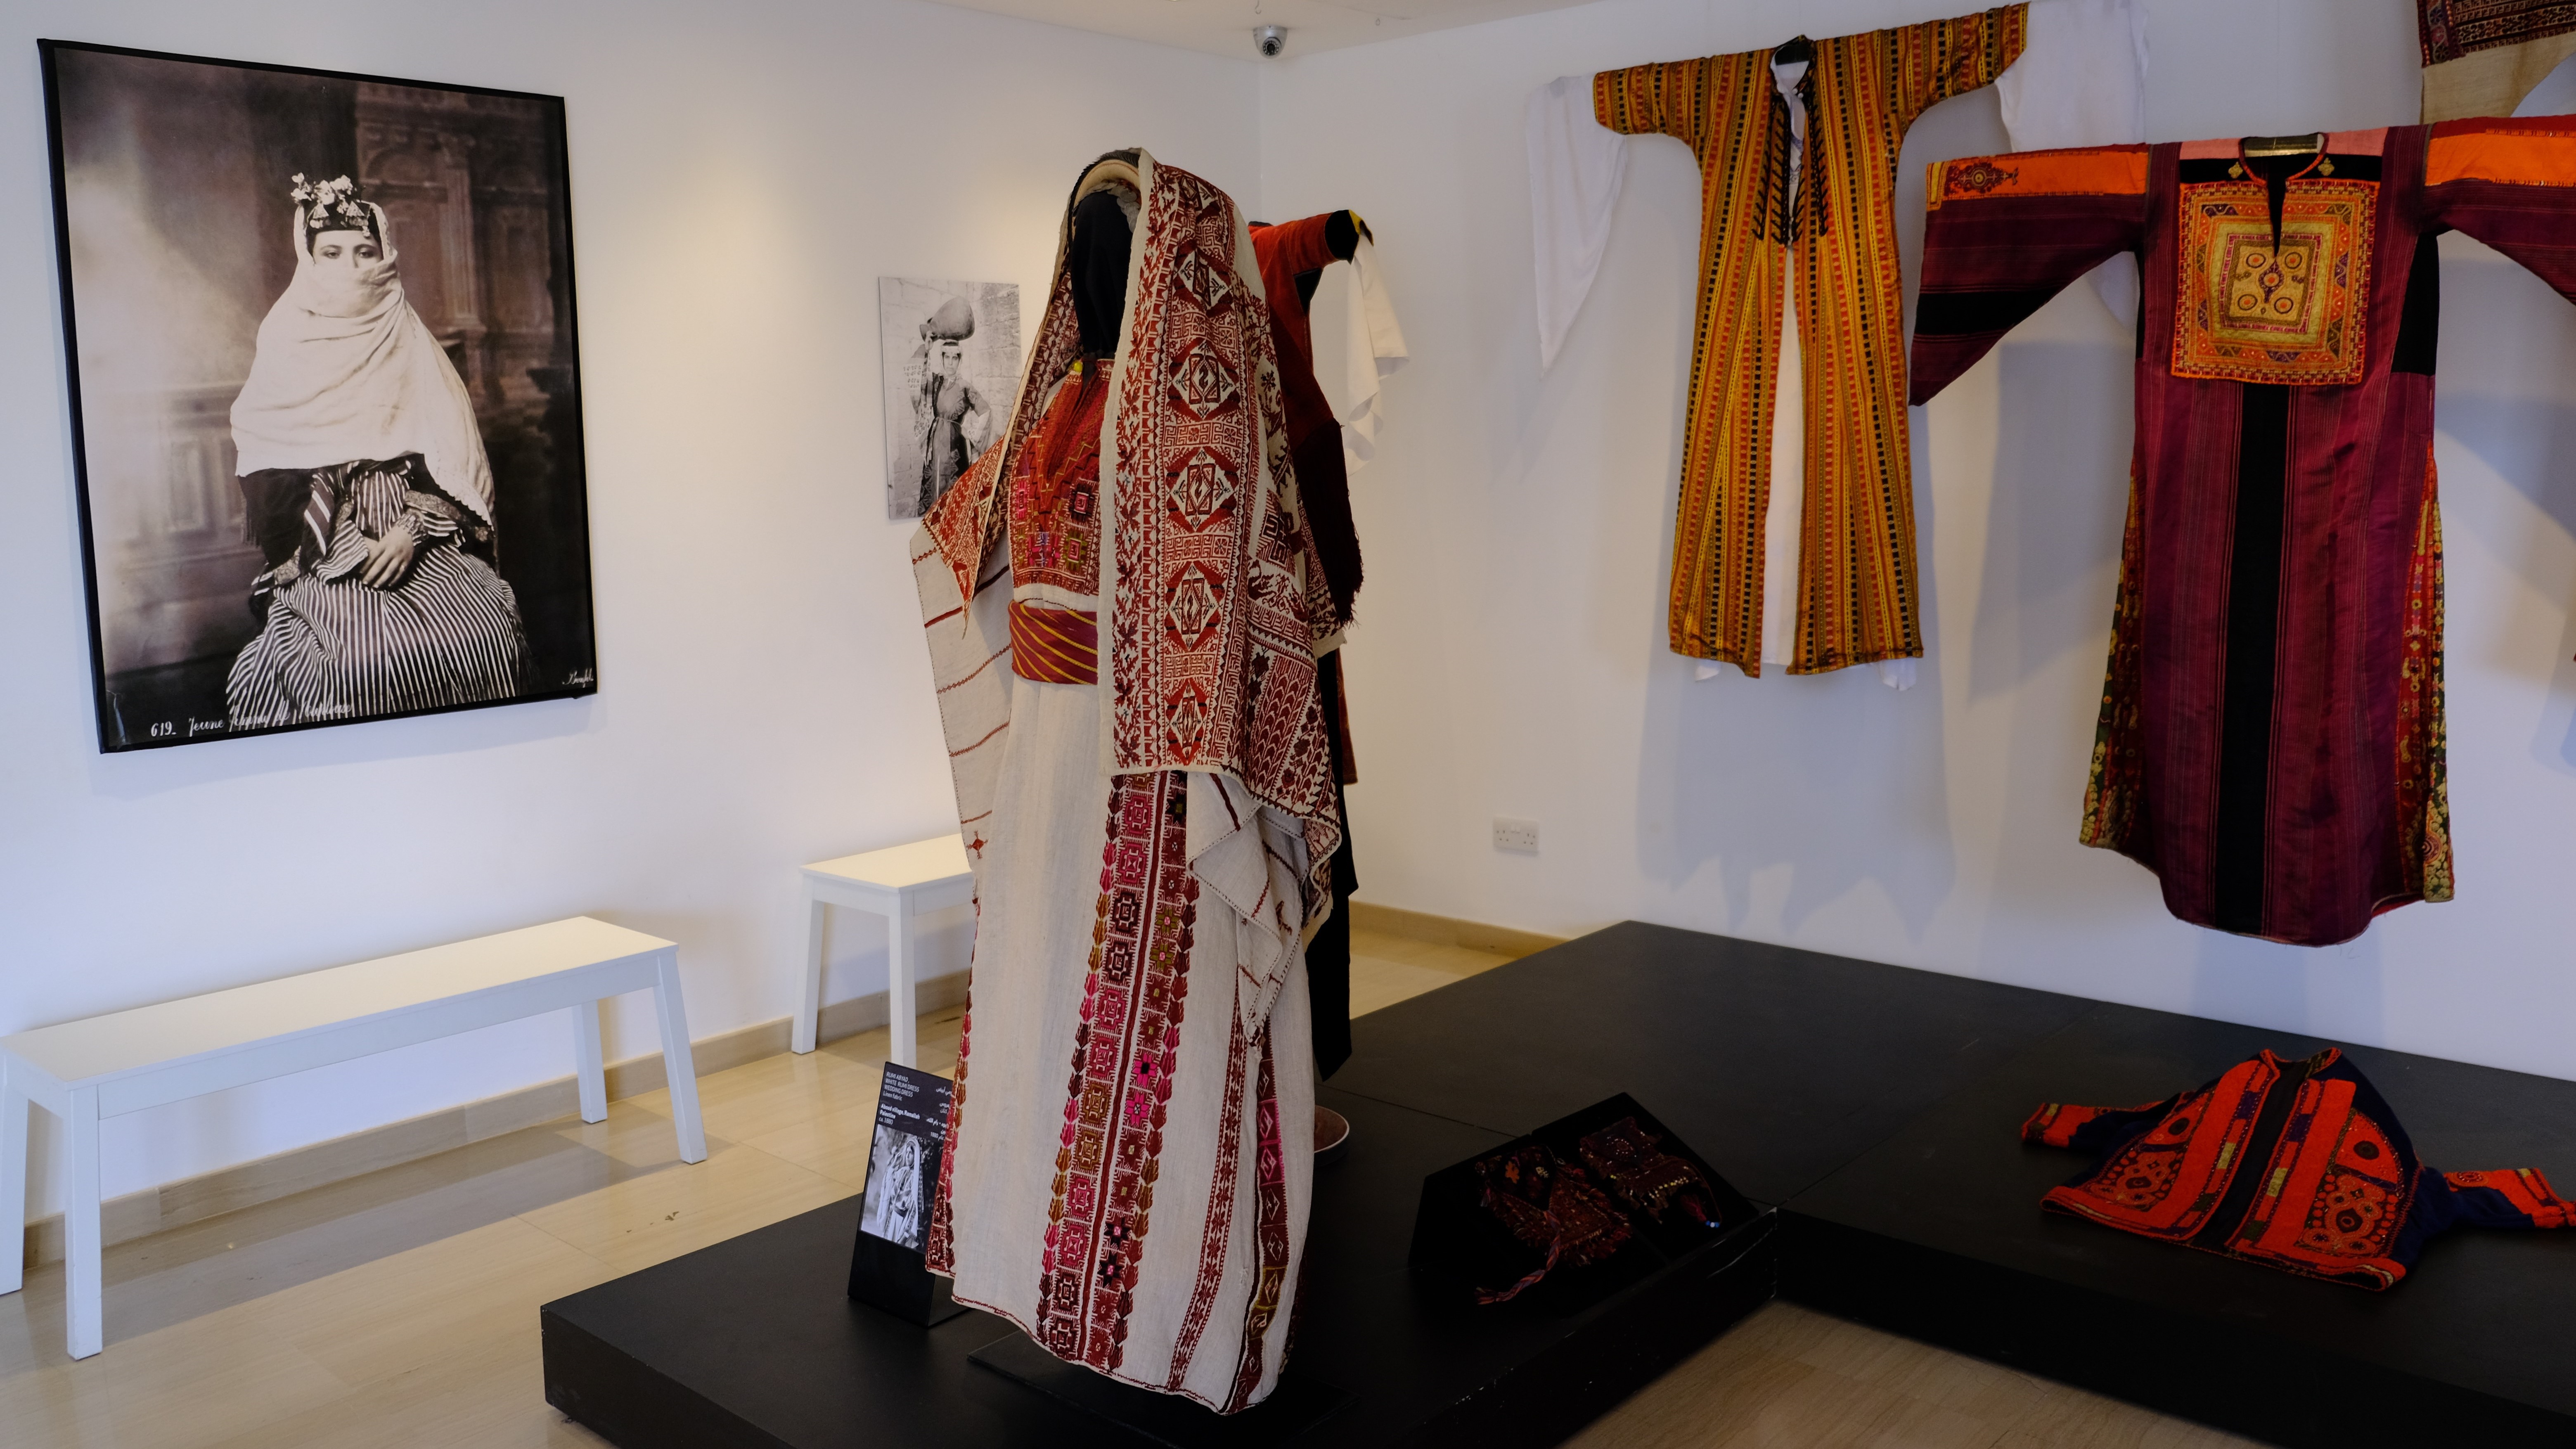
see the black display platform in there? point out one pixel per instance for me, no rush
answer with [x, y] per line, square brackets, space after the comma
[753, 1341]
[1301, 1401]
[1877, 1106]
[1936, 1233]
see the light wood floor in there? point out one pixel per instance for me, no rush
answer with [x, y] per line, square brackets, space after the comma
[401, 1307]
[1788, 1378]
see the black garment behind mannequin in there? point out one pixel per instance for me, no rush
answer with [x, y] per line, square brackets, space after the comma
[1328, 955]
[1102, 238]
[1342, 233]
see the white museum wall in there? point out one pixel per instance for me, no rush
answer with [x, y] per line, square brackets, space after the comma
[1510, 658]
[742, 174]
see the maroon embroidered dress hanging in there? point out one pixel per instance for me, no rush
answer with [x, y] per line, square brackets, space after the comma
[2297, 1165]
[2270, 741]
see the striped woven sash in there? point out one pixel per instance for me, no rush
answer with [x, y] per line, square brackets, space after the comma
[1055, 646]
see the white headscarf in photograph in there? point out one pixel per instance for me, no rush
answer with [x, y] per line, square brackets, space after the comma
[346, 371]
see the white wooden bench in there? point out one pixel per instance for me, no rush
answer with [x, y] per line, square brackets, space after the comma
[105, 1066]
[899, 883]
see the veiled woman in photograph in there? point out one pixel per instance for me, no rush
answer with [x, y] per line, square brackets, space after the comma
[366, 487]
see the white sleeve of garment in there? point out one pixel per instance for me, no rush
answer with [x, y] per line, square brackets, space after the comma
[1373, 348]
[1575, 163]
[2081, 80]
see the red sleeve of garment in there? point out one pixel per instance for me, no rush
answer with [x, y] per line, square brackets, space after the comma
[2006, 234]
[2513, 1198]
[2054, 1124]
[1284, 251]
[2512, 185]
[1293, 246]
[2064, 1124]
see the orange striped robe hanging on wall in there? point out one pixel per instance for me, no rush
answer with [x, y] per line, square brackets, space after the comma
[1856, 573]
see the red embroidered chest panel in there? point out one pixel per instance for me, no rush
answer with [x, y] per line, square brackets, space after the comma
[1055, 491]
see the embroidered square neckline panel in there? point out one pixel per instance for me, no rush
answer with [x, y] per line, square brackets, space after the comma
[2251, 310]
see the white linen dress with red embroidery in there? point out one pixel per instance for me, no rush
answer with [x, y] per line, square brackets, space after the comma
[1129, 1156]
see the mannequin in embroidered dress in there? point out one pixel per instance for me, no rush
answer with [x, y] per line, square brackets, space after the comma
[1124, 659]
[365, 486]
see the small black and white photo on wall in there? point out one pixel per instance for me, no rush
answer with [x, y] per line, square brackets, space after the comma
[325, 392]
[952, 367]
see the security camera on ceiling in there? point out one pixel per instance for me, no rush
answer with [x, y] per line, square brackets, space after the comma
[1271, 38]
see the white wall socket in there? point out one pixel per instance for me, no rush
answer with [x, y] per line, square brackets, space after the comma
[1516, 835]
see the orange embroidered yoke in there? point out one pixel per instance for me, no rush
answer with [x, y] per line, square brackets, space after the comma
[1856, 572]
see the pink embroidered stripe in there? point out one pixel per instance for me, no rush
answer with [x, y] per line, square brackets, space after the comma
[1118, 1101]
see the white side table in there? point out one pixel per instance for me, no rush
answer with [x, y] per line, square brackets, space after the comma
[898, 883]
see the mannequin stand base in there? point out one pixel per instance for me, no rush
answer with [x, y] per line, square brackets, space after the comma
[1332, 1136]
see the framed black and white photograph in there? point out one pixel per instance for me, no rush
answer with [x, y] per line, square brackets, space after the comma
[326, 394]
[952, 367]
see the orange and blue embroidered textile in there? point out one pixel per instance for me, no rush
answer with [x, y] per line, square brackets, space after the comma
[2297, 1165]
[1857, 593]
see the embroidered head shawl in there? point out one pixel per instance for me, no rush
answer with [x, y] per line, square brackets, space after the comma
[2297, 1165]
[2481, 57]
[346, 372]
[1215, 599]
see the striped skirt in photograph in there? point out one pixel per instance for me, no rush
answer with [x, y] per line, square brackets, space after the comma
[335, 648]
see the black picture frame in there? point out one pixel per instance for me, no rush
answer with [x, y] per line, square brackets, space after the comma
[159, 158]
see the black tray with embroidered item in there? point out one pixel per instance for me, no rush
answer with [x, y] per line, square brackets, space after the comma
[1573, 1212]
